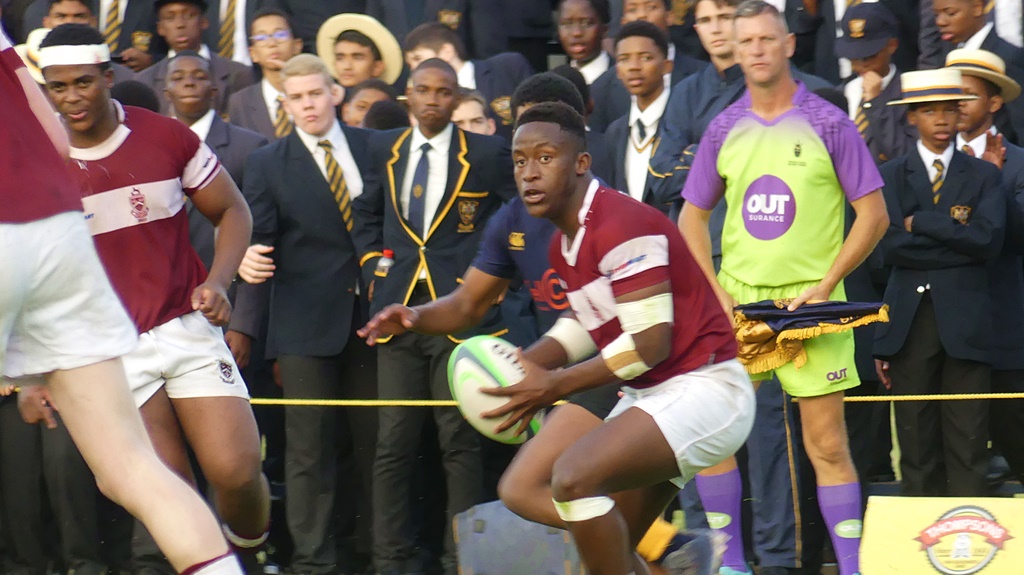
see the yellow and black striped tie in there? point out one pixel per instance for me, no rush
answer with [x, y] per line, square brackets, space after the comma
[861, 119]
[112, 27]
[967, 150]
[852, 3]
[937, 180]
[282, 125]
[226, 46]
[337, 182]
[990, 5]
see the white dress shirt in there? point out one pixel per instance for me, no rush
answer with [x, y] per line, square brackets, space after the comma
[241, 39]
[270, 96]
[593, 69]
[638, 152]
[437, 175]
[974, 42]
[977, 144]
[1008, 21]
[202, 126]
[467, 76]
[203, 51]
[854, 90]
[342, 154]
[105, 9]
[928, 157]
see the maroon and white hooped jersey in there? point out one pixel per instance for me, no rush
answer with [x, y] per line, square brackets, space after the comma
[33, 182]
[134, 187]
[623, 246]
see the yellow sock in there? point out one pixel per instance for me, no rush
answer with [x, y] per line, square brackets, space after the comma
[656, 540]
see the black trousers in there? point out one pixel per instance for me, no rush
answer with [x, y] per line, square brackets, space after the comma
[944, 444]
[1007, 419]
[414, 366]
[329, 455]
[43, 476]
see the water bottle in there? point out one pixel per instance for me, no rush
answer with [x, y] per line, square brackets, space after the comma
[384, 263]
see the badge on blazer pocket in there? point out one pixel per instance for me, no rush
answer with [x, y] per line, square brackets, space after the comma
[467, 213]
[960, 213]
[450, 18]
[503, 109]
[142, 40]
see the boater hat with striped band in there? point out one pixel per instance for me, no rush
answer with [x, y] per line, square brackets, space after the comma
[987, 66]
[924, 86]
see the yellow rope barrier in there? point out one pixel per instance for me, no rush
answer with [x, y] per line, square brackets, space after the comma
[452, 403]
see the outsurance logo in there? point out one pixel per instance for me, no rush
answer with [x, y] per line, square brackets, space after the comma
[769, 208]
[963, 541]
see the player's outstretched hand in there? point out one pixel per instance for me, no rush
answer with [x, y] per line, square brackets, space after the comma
[213, 302]
[814, 294]
[395, 319]
[256, 266]
[36, 405]
[525, 398]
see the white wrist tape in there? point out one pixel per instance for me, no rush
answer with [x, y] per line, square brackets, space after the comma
[623, 359]
[584, 509]
[636, 316]
[573, 338]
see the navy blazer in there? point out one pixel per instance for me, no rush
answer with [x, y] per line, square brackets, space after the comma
[232, 146]
[942, 255]
[496, 78]
[480, 23]
[479, 180]
[611, 99]
[228, 77]
[1006, 271]
[294, 210]
[617, 141]
[247, 109]
[889, 134]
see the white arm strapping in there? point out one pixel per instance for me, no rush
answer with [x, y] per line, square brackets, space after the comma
[623, 359]
[636, 316]
[573, 338]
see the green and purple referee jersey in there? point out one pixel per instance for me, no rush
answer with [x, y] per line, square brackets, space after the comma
[784, 182]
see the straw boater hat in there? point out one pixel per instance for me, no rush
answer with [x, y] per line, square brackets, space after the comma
[924, 86]
[987, 66]
[390, 51]
[29, 52]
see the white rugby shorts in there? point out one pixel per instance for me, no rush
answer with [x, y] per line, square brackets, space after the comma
[705, 415]
[187, 356]
[57, 308]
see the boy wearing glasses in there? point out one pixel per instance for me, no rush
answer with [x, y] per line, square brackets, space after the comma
[259, 107]
[181, 24]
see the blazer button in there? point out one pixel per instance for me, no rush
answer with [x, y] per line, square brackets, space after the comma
[423, 248]
[920, 289]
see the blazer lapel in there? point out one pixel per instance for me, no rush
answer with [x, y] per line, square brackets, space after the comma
[920, 184]
[218, 138]
[649, 183]
[305, 168]
[258, 108]
[953, 186]
[619, 157]
[458, 168]
[395, 170]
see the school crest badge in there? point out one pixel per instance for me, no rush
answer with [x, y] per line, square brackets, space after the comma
[137, 200]
[517, 241]
[503, 109]
[857, 28]
[960, 213]
[450, 18]
[797, 149]
[417, 191]
[467, 213]
[227, 372]
[142, 40]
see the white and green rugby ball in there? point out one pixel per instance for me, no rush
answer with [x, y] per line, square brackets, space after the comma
[486, 361]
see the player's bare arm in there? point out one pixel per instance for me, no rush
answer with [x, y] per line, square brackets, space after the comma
[542, 387]
[693, 225]
[457, 311]
[225, 207]
[43, 110]
[867, 230]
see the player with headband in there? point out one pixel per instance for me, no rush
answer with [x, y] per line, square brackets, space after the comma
[136, 170]
[62, 326]
[642, 304]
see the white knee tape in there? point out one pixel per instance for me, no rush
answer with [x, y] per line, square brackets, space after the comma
[584, 509]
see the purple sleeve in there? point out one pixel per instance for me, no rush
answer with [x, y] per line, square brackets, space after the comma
[704, 185]
[855, 168]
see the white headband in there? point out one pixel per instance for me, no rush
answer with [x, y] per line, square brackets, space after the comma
[73, 55]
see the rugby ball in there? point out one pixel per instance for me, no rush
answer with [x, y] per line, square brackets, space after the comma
[480, 362]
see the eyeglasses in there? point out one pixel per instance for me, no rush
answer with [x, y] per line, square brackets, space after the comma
[277, 36]
[583, 24]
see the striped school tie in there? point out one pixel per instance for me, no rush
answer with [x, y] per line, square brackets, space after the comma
[338, 186]
[990, 5]
[226, 46]
[852, 3]
[937, 180]
[112, 26]
[282, 125]
[861, 119]
[967, 150]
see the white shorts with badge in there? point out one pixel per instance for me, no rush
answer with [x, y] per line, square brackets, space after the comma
[58, 310]
[188, 357]
[705, 415]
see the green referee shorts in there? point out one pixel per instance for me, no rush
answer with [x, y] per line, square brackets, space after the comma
[830, 363]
